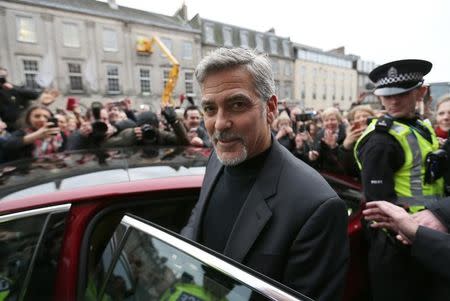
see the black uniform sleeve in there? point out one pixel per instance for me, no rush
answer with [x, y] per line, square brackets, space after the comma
[441, 209]
[381, 156]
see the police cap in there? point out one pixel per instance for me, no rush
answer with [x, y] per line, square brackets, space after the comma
[399, 76]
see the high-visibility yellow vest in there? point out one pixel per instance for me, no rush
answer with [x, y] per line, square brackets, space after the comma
[410, 186]
[189, 291]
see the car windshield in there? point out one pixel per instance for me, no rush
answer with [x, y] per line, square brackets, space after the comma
[68, 171]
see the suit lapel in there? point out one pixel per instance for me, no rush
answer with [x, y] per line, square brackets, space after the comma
[255, 213]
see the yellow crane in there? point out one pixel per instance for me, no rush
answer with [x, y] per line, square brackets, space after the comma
[145, 46]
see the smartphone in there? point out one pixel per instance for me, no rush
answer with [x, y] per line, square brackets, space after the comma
[54, 121]
[71, 103]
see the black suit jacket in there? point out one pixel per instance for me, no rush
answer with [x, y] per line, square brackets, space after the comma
[292, 227]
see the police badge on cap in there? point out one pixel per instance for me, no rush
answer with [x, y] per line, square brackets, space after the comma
[399, 76]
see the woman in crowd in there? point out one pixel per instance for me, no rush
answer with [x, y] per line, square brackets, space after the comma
[358, 120]
[285, 134]
[38, 136]
[442, 118]
[328, 139]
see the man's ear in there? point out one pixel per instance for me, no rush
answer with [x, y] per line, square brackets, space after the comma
[272, 109]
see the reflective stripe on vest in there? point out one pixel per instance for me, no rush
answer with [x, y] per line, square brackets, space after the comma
[409, 179]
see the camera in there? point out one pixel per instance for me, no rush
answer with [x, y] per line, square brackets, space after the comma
[2, 81]
[304, 117]
[149, 134]
[99, 128]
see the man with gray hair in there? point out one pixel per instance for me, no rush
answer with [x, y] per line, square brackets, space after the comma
[259, 205]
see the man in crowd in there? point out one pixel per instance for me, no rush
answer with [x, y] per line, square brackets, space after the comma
[14, 100]
[259, 205]
[196, 133]
[392, 156]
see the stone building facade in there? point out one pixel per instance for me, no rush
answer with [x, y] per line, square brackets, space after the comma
[87, 49]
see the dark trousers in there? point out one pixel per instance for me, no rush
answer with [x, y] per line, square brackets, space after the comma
[395, 275]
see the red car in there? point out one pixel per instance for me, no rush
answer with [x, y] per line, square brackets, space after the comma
[101, 226]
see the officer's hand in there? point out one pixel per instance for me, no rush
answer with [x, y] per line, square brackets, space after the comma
[170, 114]
[427, 219]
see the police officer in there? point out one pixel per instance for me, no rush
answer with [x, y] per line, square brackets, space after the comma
[392, 155]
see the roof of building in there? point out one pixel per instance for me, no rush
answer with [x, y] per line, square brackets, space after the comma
[103, 9]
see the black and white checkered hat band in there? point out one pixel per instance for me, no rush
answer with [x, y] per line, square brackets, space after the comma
[405, 77]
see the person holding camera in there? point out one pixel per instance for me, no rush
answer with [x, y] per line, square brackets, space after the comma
[392, 155]
[39, 136]
[14, 100]
[148, 132]
[196, 133]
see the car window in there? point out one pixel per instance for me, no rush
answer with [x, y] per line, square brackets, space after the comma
[30, 243]
[138, 264]
[350, 196]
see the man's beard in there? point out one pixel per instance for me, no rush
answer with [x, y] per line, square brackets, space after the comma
[241, 157]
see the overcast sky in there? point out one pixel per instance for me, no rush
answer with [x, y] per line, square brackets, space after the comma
[377, 30]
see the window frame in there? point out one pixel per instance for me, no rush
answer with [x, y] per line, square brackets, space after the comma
[112, 77]
[18, 28]
[191, 81]
[65, 34]
[110, 49]
[141, 78]
[209, 33]
[75, 74]
[227, 42]
[190, 56]
[244, 37]
[34, 73]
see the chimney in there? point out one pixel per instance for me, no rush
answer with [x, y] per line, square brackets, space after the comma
[112, 4]
[182, 12]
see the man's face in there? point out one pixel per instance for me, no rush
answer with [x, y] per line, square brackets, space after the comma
[235, 117]
[403, 105]
[192, 119]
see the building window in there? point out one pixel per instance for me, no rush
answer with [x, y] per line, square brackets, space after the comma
[110, 40]
[287, 69]
[189, 82]
[244, 39]
[275, 66]
[144, 79]
[301, 54]
[209, 33]
[75, 77]
[169, 45]
[259, 42]
[187, 50]
[302, 91]
[314, 92]
[26, 29]
[31, 70]
[166, 73]
[277, 87]
[288, 90]
[112, 77]
[286, 50]
[71, 36]
[325, 92]
[228, 36]
[273, 45]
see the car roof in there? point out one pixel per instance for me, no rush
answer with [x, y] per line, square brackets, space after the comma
[94, 170]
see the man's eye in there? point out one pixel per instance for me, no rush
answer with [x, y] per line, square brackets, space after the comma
[238, 105]
[208, 109]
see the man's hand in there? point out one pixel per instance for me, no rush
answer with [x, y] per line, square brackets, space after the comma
[427, 219]
[7, 86]
[48, 96]
[313, 155]
[392, 217]
[197, 141]
[138, 133]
